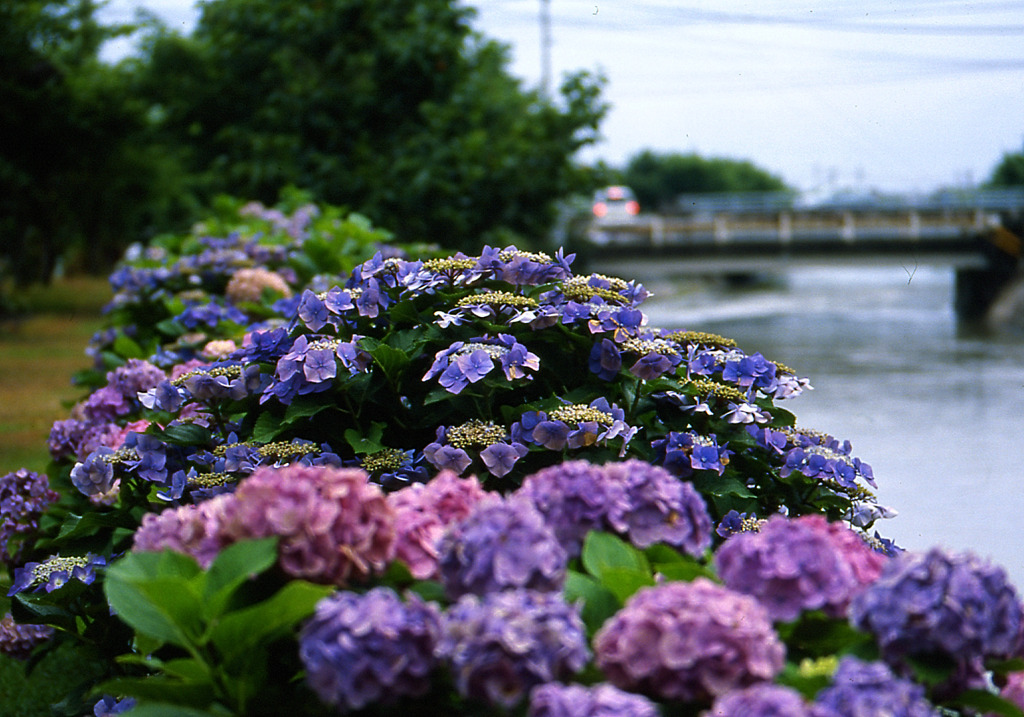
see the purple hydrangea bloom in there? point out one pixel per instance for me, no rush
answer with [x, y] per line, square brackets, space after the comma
[762, 700]
[605, 359]
[659, 508]
[24, 496]
[790, 566]
[602, 700]
[111, 706]
[502, 645]
[501, 458]
[95, 475]
[575, 497]
[688, 641]
[941, 602]
[869, 689]
[683, 452]
[503, 543]
[17, 641]
[362, 649]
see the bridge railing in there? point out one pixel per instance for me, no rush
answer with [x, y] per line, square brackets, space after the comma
[1009, 199]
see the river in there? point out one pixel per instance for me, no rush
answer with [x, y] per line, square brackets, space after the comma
[936, 410]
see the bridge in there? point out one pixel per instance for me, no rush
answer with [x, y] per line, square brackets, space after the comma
[973, 233]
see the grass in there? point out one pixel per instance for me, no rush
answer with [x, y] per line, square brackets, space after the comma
[39, 352]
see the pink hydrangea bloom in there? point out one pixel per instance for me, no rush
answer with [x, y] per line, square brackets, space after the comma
[423, 511]
[335, 526]
[190, 529]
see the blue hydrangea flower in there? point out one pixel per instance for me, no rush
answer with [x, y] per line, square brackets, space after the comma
[683, 452]
[371, 648]
[502, 645]
[94, 475]
[503, 543]
[555, 699]
[869, 689]
[953, 604]
[54, 572]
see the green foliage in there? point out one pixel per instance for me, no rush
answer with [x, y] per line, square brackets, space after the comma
[393, 108]
[76, 177]
[1009, 172]
[657, 179]
[204, 638]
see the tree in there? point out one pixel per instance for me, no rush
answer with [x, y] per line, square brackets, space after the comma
[75, 177]
[395, 108]
[657, 179]
[1009, 172]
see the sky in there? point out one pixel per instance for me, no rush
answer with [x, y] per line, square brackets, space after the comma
[890, 95]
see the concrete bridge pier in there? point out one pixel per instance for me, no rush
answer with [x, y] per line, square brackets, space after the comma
[980, 293]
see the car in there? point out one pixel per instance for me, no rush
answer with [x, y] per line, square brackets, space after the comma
[614, 204]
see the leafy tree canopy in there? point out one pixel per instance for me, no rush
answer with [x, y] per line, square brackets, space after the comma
[75, 177]
[395, 108]
[1009, 172]
[657, 179]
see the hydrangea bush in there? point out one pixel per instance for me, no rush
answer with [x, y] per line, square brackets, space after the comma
[318, 473]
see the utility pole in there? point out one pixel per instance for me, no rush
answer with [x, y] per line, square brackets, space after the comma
[545, 47]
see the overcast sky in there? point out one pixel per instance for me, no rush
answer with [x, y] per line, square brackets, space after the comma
[898, 95]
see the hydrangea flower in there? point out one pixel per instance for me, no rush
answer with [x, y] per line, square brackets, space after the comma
[335, 525]
[17, 641]
[683, 452]
[954, 604]
[423, 510]
[464, 363]
[575, 426]
[762, 700]
[502, 645]
[54, 572]
[503, 543]
[249, 284]
[659, 508]
[1013, 690]
[575, 497]
[194, 530]
[364, 649]
[24, 497]
[112, 706]
[790, 566]
[688, 641]
[868, 689]
[555, 699]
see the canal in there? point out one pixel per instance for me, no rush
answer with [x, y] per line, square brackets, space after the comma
[936, 410]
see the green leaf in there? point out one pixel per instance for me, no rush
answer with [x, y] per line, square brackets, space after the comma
[181, 694]
[185, 434]
[239, 633]
[163, 709]
[623, 582]
[267, 427]
[157, 594]
[167, 609]
[685, 571]
[599, 603]
[128, 348]
[391, 361]
[604, 551]
[232, 567]
[303, 408]
[988, 703]
[366, 443]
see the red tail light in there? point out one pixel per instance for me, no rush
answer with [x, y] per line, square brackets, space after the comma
[632, 208]
[600, 209]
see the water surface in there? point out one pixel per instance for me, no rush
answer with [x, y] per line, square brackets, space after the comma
[936, 410]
